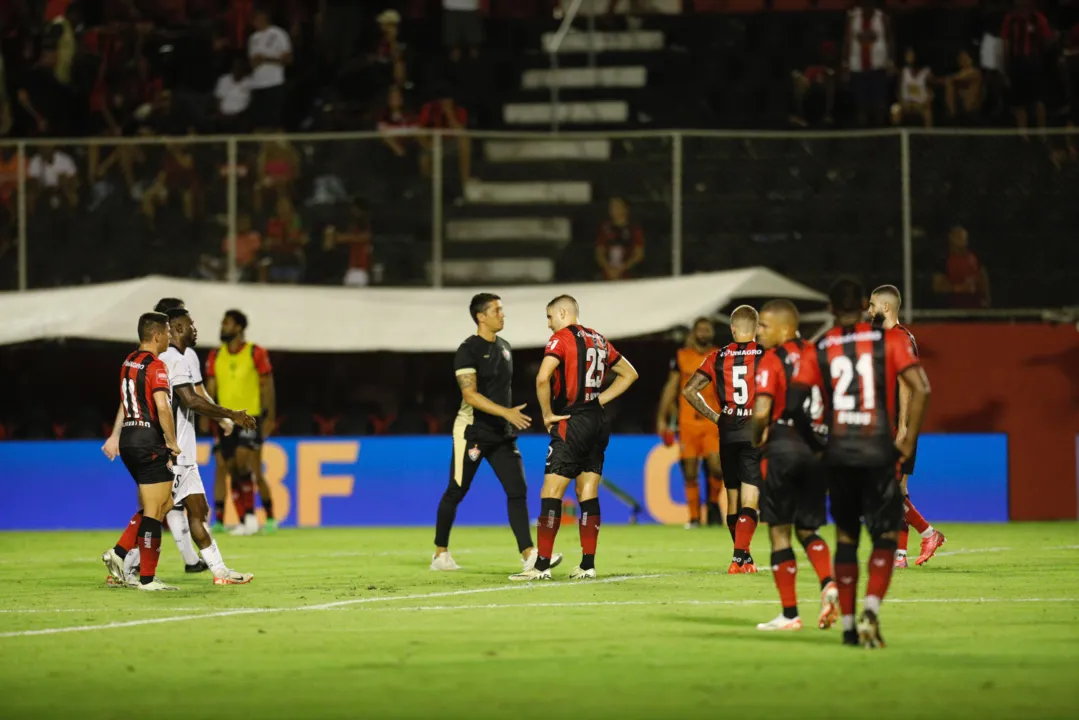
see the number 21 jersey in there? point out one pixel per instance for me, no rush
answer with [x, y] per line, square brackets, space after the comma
[584, 357]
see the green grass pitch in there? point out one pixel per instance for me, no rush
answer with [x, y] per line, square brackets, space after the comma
[352, 624]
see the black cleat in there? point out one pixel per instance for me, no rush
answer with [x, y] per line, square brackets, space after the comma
[198, 567]
[850, 637]
[869, 631]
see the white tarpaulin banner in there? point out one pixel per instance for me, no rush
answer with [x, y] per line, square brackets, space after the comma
[318, 319]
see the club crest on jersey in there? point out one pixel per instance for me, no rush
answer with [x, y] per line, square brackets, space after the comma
[474, 454]
[506, 354]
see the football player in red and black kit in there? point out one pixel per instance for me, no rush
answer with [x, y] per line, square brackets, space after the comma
[732, 373]
[858, 366]
[795, 487]
[884, 306]
[148, 438]
[570, 391]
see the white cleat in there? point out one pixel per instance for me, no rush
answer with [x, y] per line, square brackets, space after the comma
[231, 577]
[829, 606]
[444, 561]
[533, 574]
[530, 563]
[781, 623]
[155, 585]
[115, 565]
[579, 574]
[130, 582]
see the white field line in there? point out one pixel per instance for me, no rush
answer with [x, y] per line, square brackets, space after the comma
[321, 606]
[619, 603]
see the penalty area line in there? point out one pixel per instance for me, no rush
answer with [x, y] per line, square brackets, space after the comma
[320, 606]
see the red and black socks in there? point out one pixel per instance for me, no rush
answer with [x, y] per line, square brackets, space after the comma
[149, 540]
[546, 530]
[589, 532]
[732, 524]
[846, 575]
[819, 557]
[129, 537]
[785, 574]
[881, 565]
[743, 534]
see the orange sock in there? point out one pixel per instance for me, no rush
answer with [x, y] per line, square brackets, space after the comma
[693, 500]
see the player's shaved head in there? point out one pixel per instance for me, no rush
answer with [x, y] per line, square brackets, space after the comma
[150, 324]
[562, 312]
[778, 323]
[847, 298]
[744, 323]
[566, 302]
[166, 304]
[889, 294]
[782, 310]
[884, 306]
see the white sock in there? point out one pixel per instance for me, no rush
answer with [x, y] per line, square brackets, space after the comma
[181, 533]
[928, 532]
[900, 553]
[848, 622]
[872, 602]
[131, 560]
[212, 556]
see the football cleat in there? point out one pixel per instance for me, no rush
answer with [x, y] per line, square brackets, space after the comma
[198, 567]
[579, 574]
[270, 527]
[748, 568]
[850, 637]
[154, 586]
[930, 545]
[901, 562]
[444, 561]
[132, 581]
[734, 569]
[115, 565]
[869, 631]
[780, 623]
[693, 524]
[829, 606]
[530, 575]
[231, 577]
[530, 563]
[217, 528]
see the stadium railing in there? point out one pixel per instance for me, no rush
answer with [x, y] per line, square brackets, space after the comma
[348, 208]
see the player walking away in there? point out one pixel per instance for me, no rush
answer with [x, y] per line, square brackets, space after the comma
[147, 440]
[569, 387]
[795, 486]
[884, 306]
[698, 438]
[857, 366]
[732, 372]
[187, 489]
[486, 427]
[175, 519]
[239, 374]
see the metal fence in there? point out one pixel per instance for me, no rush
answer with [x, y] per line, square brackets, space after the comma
[961, 220]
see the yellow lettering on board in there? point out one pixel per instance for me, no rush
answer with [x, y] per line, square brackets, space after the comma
[312, 485]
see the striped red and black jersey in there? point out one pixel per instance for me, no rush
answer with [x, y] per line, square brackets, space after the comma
[142, 375]
[898, 388]
[774, 375]
[584, 357]
[732, 370]
[857, 368]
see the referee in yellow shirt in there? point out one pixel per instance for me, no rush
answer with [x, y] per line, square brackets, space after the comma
[240, 373]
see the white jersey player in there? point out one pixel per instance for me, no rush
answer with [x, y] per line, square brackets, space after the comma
[188, 398]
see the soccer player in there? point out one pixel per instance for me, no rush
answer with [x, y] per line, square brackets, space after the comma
[794, 487]
[147, 440]
[857, 367]
[239, 375]
[569, 387]
[732, 372]
[486, 427]
[175, 520]
[884, 306]
[697, 437]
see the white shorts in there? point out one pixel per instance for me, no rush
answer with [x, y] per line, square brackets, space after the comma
[187, 482]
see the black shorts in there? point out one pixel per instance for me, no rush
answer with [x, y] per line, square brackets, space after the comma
[267, 106]
[866, 494]
[579, 445]
[794, 492]
[472, 447]
[741, 464]
[147, 465]
[250, 439]
[907, 467]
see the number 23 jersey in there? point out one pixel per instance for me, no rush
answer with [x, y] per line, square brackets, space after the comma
[584, 357]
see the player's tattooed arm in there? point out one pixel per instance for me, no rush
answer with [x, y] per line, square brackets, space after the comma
[514, 416]
[692, 393]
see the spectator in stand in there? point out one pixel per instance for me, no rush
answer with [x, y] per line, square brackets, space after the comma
[248, 248]
[462, 27]
[1026, 35]
[391, 52]
[396, 125]
[867, 59]
[54, 180]
[347, 250]
[45, 101]
[233, 94]
[991, 55]
[442, 113]
[620, 243]
[963, 91]
[965, 281]
[283, 258]
[817, 85]
[914, 96]
[178, 180]
[278, 169]
[53, 194]
[270, 52]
